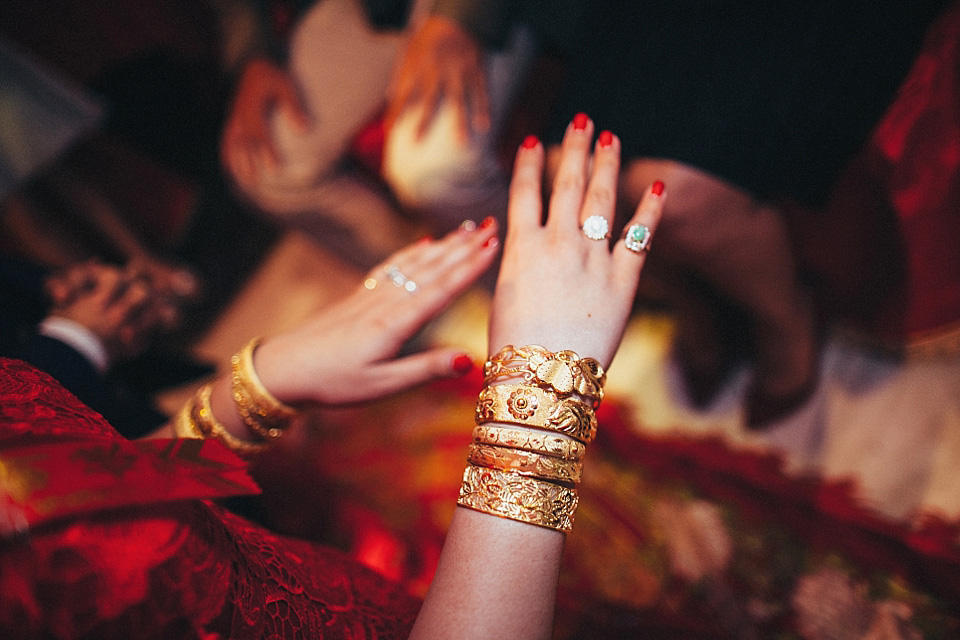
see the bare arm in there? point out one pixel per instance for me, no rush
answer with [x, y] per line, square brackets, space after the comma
[497, 577]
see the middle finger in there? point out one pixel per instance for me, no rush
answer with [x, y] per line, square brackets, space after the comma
[571, 178]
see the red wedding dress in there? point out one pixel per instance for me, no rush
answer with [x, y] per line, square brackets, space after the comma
[101, 537]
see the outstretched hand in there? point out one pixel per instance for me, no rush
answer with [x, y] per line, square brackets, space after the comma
[442, 61]
[247, 147]
[557, 287]
[347, 353]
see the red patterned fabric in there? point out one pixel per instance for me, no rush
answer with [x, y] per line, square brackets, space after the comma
[185, 569]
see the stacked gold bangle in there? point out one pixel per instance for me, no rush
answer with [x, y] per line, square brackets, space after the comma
[264, 415]
[260, 410]
[529, 474]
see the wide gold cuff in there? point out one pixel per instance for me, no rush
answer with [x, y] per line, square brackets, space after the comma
[525, 463]
[563, 372]
[517, 497]
[535, 441]
[531, 406]
[263, 413]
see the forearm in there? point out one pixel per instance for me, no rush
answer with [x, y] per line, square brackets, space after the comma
[497, 578]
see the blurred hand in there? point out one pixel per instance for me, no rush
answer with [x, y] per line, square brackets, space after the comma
[558, 288]
[115, 305]
[442, 61]
[247, 146]
[347, 353]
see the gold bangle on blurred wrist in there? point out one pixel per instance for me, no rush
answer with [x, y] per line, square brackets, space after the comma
[531, 406]
[547, 444]
[263, 413]
[208, 424]
[525, 463]
[563, 372]
[183, 424]
[516, 497]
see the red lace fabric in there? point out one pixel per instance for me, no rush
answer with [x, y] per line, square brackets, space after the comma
[185, 569]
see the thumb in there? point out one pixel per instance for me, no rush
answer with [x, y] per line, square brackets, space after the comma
[441, 362]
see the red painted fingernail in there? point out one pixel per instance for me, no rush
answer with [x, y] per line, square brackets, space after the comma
[491, 242]
[530, 142]
[657, 189]
[605, 139]
[425, 239]
[580, 121]
[487, 222]
[462, 364]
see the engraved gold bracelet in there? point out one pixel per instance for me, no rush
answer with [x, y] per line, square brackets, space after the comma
[208, 424]
[564, 372]
[534, 465]
[531, 406]
[536, 441]
[263, 413]
[511, 495]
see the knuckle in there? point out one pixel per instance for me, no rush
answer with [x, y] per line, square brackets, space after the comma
[570, 182]
[601, 196]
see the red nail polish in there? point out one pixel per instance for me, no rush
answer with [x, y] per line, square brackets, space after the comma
[605, 139]
[425, 239]
[462, 364]
[487, 222]
[580, 121]
[530, 142]
[657, 189]
[491, 242]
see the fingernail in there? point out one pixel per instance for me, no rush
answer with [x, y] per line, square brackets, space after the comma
[580, 121]
[468, 225]
[462, 364]
[491, 242]
[425, 239]
[657, 189]
[530, 142]
[605, 139]
[487, 222]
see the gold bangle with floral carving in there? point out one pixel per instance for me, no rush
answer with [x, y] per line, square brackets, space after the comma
[531, 406]
[208, 424]
[525, 463]
[564, 372]
[263, 413]
[548, 444]
[511, 495]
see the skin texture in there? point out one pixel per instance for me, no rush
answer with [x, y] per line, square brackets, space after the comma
[442, 61]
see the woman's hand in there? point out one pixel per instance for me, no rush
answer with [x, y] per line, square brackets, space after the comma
[558, 288]
[347, 352]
